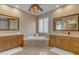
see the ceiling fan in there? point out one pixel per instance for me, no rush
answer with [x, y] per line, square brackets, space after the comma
[35, 8]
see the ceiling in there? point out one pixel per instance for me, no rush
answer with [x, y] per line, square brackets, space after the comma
[45, 7]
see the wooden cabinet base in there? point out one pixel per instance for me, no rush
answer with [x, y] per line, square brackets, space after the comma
[67, 43]
[9, 42]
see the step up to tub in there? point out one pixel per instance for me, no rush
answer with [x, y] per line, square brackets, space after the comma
[61, 51]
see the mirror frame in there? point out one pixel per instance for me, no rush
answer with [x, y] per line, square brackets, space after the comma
[54, 24]
[9, 22]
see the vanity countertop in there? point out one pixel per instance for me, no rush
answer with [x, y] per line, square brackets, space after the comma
[77, 36]
[9, 34]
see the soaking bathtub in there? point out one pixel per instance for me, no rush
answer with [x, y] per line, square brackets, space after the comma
[36, 38]
[36, 41]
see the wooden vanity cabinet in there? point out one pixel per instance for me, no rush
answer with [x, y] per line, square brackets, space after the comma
[9, 42]
[62, 42]
[65, 43]
[51, 40]
[75, 45]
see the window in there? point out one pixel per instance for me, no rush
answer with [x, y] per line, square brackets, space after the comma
[43, 25]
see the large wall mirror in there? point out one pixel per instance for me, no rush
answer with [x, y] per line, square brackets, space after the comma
[9, 22]
[67, 23]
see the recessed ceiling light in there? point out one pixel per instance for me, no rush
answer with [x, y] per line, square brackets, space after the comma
[57, 5]
[17, 6]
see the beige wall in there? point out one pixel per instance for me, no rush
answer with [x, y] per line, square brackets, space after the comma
[63, 11]
[27, 21]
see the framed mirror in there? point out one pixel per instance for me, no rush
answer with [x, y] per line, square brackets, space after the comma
[67, 23]
[9, 22]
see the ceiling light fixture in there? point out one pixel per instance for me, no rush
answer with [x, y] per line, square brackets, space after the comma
[35, 8]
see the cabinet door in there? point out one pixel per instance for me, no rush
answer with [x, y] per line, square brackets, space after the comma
[4, 44]
[51, 40]
[58, 41]
[20, 40]
[13, 41]
[62, 42]
[65, 43]
[75, 45]
[0, 44]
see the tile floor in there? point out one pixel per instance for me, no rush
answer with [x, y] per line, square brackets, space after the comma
[35, 50]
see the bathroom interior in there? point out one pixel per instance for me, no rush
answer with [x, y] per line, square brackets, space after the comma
[39, 29]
